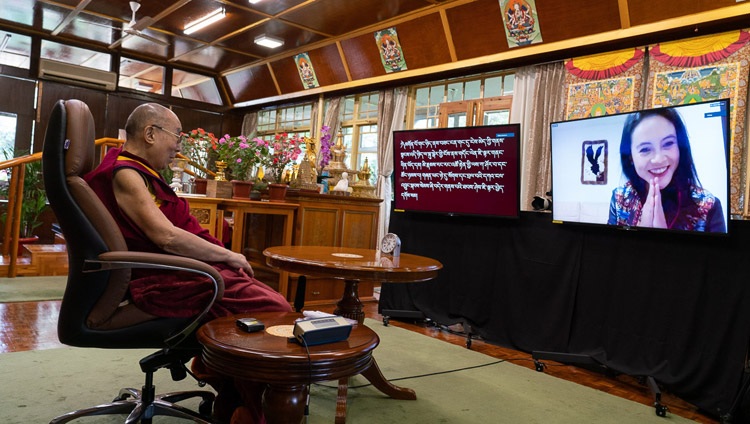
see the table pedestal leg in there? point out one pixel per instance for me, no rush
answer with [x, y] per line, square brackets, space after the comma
[350, 306]
[374, 376]
[284, 404]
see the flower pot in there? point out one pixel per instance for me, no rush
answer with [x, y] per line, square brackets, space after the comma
[241, 189]
[277, 192]
[200, 185]
[25, 240]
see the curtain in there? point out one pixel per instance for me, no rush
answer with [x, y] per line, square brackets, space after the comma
[332, 117]
[539, 99]
[314, 132]
[250, 124]
[520, 113]
[391, 114]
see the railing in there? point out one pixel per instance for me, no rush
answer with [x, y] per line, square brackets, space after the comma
[17, 166]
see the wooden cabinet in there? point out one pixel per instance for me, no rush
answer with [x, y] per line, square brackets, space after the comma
[327, 220]
[204, 209]
[257, 225]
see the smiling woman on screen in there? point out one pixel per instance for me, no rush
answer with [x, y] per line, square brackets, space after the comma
[662, 188]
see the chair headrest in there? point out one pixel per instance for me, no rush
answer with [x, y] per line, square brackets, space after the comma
[80, 139]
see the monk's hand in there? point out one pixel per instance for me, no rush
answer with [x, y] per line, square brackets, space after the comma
[239, 262]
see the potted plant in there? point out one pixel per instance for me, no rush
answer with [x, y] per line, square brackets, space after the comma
[196, 146]
[285, 149]
[242, 156]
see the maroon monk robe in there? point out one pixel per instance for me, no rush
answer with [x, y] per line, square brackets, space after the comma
[169, 293]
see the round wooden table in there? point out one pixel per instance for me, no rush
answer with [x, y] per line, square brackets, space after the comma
[285, 366]
[352, 265]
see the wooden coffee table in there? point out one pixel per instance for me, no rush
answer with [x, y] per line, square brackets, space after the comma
[352, 265]
[285, 366]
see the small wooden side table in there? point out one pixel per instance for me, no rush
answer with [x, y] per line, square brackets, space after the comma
[286, 367]
[352, 265]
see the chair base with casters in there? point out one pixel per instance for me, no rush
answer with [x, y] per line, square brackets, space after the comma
[142, 405]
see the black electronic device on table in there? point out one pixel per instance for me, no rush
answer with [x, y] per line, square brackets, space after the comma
[250, 325]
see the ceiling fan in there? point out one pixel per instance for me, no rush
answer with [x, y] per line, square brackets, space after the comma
[134, 27]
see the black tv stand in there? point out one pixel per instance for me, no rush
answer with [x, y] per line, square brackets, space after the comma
[399, 313]
[589, 362]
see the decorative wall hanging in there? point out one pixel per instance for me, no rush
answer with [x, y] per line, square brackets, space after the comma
[391, 53]
[708, 68]
[594, 162]
[521, 22]
[604, 84]
[306, 71]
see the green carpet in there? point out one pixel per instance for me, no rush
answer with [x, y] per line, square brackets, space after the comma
[39, 385]
[27, 289]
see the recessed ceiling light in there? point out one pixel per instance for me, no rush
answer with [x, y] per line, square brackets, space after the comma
[268, 41]
[254, 1]
[204, 21]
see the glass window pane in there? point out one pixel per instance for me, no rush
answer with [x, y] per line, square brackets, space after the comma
[75, 55]
[420, 118]
[348, 108]
[372, 163]
[456, 120]
[368, 106]
[455, 92]
[141, 76]
[7, 134]
[493, 87]
[422, 96]
[437, 94]
[508, 83]
[473, 90]
[7, 141]
[15, 50]
[368, 138]
[496, 117]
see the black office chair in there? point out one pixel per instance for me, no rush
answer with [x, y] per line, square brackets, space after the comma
[94, 311]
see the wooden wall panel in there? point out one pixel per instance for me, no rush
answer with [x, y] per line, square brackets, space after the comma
[329, 69]
[285, 71]
[649, 11]
[363, 57]
[251, 84]
[424, 42]
[475, 30]
[119, 107]
[328, 65]
[193, 118]
[561, 20]
[51, 92]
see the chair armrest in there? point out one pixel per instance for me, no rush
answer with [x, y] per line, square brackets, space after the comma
[130, 259]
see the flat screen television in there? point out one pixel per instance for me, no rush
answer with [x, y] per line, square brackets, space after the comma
[606, 169]
[458, 171]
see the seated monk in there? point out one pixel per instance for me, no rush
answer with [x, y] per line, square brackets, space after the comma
[153, 218]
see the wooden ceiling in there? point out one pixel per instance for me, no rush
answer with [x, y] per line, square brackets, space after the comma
[437, 36]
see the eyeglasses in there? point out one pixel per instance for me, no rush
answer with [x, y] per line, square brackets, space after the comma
[180, 137]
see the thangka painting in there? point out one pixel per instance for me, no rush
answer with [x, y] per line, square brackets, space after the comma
[702, 69]
[306, 71]
[604, 84]
[391, 53]
[521, 22]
